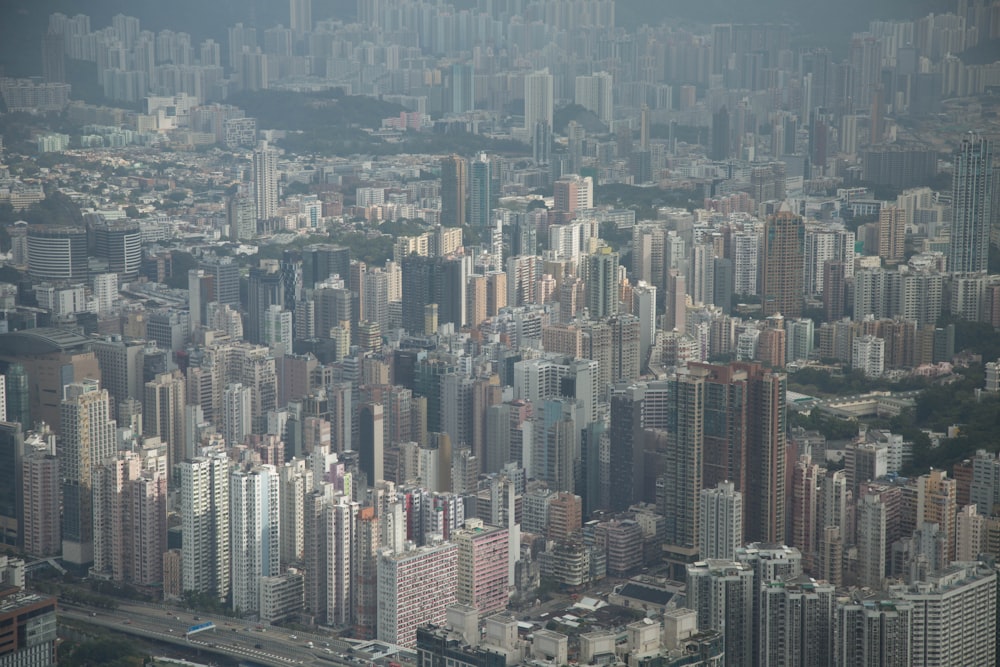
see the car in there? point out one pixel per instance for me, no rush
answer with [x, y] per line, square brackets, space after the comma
[93, 613]
[292, 637]
[170, 629]
[128, 621]
[197, 618]
[257, 645]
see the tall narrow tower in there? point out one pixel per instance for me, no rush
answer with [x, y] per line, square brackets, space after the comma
[265, 181]
[454, 185]
[87, 435]
[972, 198]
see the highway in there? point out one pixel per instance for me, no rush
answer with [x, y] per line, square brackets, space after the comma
[271, 647]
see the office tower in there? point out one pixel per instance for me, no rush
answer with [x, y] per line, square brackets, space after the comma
[226, 279]
[434, 280]
[675, 317]
[265, 181]
[119, 242]
[602, 283]
[720, 522]
[481, 195]
[300, 16]
[121, 368]
[130, 517]
[266, 288]
[11, 483]
[797, 622]
[804, 510]
[321, 261]
[595, 94]
[722, 594]
[205, 524]
[764, 494]
[163, 414]
[415, 587]
[482, 567]
[371, 442]
[16, 406]
[834, 286]
[87, 435]
[892, 235]
[538, 100]
[874, 632]
[784, 243]
[972, 215]
[41, 500]
[954, 616]
[57, 253]
[626, 445]
[254, 531]
[454, 187]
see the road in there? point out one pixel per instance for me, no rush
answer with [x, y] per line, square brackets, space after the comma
[273, 647]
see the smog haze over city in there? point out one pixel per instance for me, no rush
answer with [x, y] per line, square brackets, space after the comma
[497, 333]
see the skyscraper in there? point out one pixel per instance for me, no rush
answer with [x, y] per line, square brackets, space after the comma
[454, 186]
[11, 499]
[538, 100]
[163, 413]
[371, 442]
[720, 522]
[722, 594]
[602, 283]
[481, 195]
[254, 520]
[892, 234]
[265, 181]
[972, 196]
[87, 435]
[595, 94]
[784, 248]
[300, 16]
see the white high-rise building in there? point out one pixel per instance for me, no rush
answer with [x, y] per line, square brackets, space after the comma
[277, 328]
[538, 100]
[415, 587]
[105, 291]
[595, 94]
[954, 616]
[341, 530]
[720, 522]
[237, 414]
[87, 438]
[255, 511]
[265, 181]
[746, 246]
[868, 355]
[205, 524]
